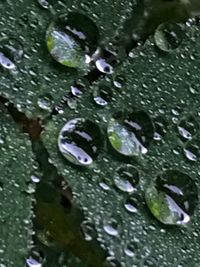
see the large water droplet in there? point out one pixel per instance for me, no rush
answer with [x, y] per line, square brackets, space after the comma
[168, 36]
[71, 38]
[80, 141]
[126, 178]
[172, 198]
[130, 133]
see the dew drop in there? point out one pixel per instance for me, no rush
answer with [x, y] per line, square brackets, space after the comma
[80, 141]
[187, 128]
[36, 259]
[45, 102]
[104, 60]
[119, 81]
[126, 178]
[102, 95]
[172, 198]
[35, 179]
[70, 39]
[168, 36]
[88, 230]
[131, 204]
[44, 3]
[130, 133]
[111, 227]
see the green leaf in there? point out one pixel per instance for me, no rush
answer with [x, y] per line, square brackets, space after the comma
[16, 167]
[164, 85]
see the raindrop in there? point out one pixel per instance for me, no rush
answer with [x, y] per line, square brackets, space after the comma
[119, 81]
[187, 128]
[80, 141]
[71, 38]
[168, 36]
[111, 227]
[88, 230]
[150, 262]
[104, 60]
[131, 249]
[131, 204]
[44, 3]
[160, 128]
[35, 179]
[102, 95]
[172, 198]
[191, 150]
[78, 88]
[126, 178]
[36, 259]
[111, 262]
[45, 102]
[130, 133]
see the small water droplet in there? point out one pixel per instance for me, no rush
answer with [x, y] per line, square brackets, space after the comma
[126, 178]
[35, 179]
[104, 60]
[45, 102]
[131, 204]
[44, 3]
[130, 133]
[172, 198]
[168, 36]
[187, 128]
[102, 95]
[36, 259]
[119, 81]
[80, 141]
[88, 230]
[111, 227]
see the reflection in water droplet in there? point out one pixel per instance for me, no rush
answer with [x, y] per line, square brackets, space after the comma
[126, 178]
[168, 36]
[172, 198]
[187, 128]
[131, 133]
[102, 95]
[80, 141]
[71, 38]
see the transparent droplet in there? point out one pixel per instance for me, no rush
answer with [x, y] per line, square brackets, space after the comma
[45, 102]
[111, 227]
[111, 262]
[160, 128]
[119, 81]
[191, 150]
[150, 262]
[36, 259]
[71, 38]
[131, 204]
[102, 95]
[187, 128]
[130, 133]
[44, 3]
[104, 60]
[126, 178]
[35, 179]
[172, 198]
[131, 249]
[88, 230]
[78, 88]
[168, 36]
[80, 141]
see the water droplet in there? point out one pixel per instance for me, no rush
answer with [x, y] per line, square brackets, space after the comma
[36, 259]
[119, 81]
[131, 204]
[35, 179]
[44, 3]
[160, 128]
[71, 38]
[172, 198]
[126, 178]
[80, 141]
[150, 262]
[88, 230]
[104, 60]
[187, 128]
[45, 102]
[131, 249]
[111, 227]
[77, 88]
[168, 36]
[102, 95]
[111, 262]
[130, 133]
